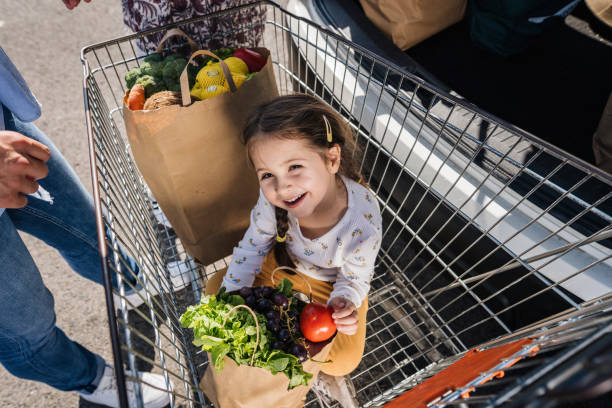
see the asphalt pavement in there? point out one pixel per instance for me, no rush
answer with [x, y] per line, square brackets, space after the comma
[44, 40]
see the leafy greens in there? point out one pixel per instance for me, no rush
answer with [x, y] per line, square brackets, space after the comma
[236, 339]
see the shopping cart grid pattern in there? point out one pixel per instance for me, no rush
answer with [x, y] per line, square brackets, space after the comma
[489, 233]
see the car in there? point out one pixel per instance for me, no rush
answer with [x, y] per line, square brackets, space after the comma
[544, 194]
[487, 191]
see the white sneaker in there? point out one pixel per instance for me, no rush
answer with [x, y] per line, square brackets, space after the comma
[180, 275]
[152, 397]
[329, 388]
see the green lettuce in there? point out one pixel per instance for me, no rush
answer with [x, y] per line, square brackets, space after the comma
[237, 338]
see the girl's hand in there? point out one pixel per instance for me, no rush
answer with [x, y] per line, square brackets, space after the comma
[345, 315]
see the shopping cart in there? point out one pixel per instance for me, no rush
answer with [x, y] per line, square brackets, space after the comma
[490, 234]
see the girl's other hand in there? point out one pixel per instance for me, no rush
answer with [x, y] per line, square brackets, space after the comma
[345, 315]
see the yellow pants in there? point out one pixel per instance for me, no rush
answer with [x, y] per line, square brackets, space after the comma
[347, 351]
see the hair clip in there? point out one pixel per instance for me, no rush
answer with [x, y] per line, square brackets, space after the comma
[281, 239]
[328, 129]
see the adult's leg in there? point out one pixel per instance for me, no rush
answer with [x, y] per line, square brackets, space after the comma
[62, 213]
[31, 346]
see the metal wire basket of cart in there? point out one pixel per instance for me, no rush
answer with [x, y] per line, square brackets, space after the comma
[491, 236]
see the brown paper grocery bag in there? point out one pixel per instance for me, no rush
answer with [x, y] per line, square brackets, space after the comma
[242, 386]
[195, 165]
[245, 386]
[408, 22]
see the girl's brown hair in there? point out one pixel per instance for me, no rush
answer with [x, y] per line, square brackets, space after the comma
[302, 117]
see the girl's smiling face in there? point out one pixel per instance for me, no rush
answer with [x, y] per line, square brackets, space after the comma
[295, 176]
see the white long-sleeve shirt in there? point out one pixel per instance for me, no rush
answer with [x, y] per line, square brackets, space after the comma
[345, 254]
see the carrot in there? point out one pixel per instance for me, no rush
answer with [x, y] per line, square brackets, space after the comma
[136, 98]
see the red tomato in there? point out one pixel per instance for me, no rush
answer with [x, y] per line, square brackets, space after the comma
[316, 322]
[254, 60]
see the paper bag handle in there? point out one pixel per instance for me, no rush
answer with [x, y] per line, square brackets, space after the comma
[184, 81]
[256, 325]
[171, 33]
[297, 273]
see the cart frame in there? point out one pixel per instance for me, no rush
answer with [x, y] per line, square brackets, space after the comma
[452, 181]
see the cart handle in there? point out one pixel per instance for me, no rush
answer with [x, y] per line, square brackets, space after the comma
[184, 81]
[173, 32]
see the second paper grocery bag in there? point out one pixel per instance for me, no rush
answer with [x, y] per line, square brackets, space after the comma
[194, 163]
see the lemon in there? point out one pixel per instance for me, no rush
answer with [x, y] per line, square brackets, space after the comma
[236, 65]
[196, 91]
[210, 75]
[238, 79]
[213, 90]
[210, 80]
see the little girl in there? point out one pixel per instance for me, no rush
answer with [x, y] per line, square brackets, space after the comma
[312, 207]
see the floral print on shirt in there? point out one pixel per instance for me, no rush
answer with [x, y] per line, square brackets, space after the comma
[345, 255]
[141, 15]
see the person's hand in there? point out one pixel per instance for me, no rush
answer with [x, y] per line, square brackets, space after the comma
[22, 161]
[70, 4]
[345, 315]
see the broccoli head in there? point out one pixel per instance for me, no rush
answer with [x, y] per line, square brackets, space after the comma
[131, 76]
[152, 68]
[155, 57]
[157, 74]
[173, 57]
[150, 84]
[173, 69]
[173, 85]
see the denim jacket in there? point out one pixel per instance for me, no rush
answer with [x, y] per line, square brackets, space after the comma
[15, 94]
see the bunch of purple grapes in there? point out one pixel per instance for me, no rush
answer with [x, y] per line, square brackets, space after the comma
[281, 315]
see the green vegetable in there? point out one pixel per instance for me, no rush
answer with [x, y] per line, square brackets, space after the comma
[160, 74]
[285, 287]
[155, 57]
[132, 76]
[173, 85]
[152, 68]
[236, 339]
[224, 53]
[173, 57]
[173, 68]
[151, 84]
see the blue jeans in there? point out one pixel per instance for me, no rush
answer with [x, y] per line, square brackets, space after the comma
[31, 345]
